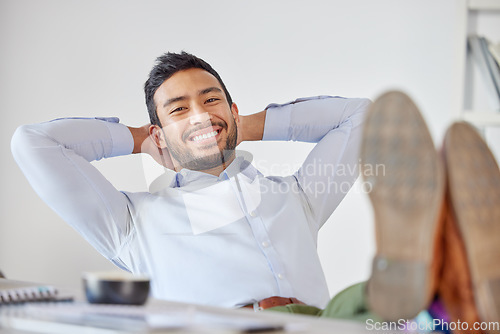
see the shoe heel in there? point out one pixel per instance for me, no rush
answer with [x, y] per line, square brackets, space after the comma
[392, 279]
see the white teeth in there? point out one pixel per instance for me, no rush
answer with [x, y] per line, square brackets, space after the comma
[205, 136]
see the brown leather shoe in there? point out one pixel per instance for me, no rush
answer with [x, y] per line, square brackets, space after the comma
[405, 180]
[470, 286]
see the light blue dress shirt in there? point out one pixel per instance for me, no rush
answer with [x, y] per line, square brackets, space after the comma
[229, 240]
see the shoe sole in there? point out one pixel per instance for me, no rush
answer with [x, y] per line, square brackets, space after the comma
[474, 187]
[406, 199]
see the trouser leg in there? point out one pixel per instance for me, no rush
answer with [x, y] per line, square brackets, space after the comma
[349, 304]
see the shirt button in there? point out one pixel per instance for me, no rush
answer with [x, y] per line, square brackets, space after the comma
[280, 276]
[265, 244]
[253, 214]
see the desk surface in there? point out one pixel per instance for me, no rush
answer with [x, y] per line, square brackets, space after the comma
[159, 317]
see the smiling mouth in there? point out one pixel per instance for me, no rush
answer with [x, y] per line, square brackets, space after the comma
[205, 136]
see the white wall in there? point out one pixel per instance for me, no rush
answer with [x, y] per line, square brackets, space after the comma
[89, 58]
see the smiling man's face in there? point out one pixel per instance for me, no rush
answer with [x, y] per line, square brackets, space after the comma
[199, 126]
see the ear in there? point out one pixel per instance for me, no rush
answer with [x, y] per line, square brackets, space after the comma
[158, 137]
[236, 113]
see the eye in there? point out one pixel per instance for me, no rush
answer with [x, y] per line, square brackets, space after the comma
[177, 110]
[212, 99]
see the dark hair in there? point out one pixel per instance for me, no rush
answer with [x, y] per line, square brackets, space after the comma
[167, 65]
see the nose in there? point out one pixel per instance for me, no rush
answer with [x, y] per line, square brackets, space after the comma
[199, 115]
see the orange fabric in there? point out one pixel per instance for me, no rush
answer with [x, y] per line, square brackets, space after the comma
[455, 288]
[436, 270]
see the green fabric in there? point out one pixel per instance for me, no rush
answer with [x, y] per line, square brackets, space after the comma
[297, 309]
[348, 304]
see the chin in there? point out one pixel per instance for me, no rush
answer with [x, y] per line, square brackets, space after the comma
[208, 161]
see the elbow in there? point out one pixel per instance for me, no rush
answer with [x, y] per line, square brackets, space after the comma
[365, 104]
[17, 142]
[22, 141]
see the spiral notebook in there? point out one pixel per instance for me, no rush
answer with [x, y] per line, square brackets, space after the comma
[19, 291]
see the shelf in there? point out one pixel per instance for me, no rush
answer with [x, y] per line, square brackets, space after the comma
[484, 4]
[482, 118]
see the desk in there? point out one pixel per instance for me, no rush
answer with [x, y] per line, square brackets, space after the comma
[162, 317]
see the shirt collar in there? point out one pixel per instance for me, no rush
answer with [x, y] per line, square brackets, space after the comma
[241, 164]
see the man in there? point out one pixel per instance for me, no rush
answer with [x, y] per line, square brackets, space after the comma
[221, 233]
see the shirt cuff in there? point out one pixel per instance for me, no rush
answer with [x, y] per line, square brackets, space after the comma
[123, 142]
[277, 123]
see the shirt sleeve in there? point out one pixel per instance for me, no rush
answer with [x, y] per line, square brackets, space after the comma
[55, 157]
[331, 168]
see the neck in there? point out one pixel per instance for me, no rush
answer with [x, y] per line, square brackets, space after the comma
[217, 170]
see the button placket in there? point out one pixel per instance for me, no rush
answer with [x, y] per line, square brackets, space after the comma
[261, 237]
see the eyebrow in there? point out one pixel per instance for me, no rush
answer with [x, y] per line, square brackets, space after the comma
[201, 92]
[209, 90]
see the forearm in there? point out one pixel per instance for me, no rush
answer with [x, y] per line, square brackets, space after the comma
[92, 139]
[251, 127]
[310, 119]
[139, 135]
